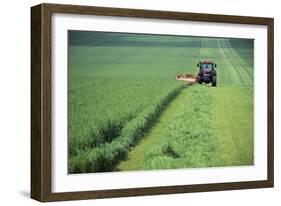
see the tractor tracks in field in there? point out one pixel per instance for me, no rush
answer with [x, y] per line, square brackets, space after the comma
[241, 62]
[231, 70]
[242, 76]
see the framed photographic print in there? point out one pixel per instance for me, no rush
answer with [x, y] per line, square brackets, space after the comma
[130, 102]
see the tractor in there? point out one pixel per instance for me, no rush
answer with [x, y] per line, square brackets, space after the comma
[207, 73]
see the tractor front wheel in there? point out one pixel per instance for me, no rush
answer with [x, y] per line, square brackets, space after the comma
[200, 79]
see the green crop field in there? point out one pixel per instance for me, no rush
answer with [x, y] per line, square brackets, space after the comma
[126, 110]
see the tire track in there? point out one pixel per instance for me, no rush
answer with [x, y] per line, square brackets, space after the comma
[236, 62]
[232, 72]
[233, 64]
[241, 62]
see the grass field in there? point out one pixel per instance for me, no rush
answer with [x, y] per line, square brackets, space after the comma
[126, 111]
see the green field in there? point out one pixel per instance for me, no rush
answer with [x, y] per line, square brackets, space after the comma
[126, 111]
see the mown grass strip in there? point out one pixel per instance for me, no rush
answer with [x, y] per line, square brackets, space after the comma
[105, 158]
[233, 125]
[182, 137]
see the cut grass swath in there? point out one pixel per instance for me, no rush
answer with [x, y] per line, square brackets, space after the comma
[183, 137]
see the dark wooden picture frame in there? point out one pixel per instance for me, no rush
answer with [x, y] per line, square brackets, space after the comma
[41, 117]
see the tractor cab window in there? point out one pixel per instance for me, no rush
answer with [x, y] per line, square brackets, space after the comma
[206, 66]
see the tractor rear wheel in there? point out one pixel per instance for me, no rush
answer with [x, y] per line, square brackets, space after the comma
[214, 81]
